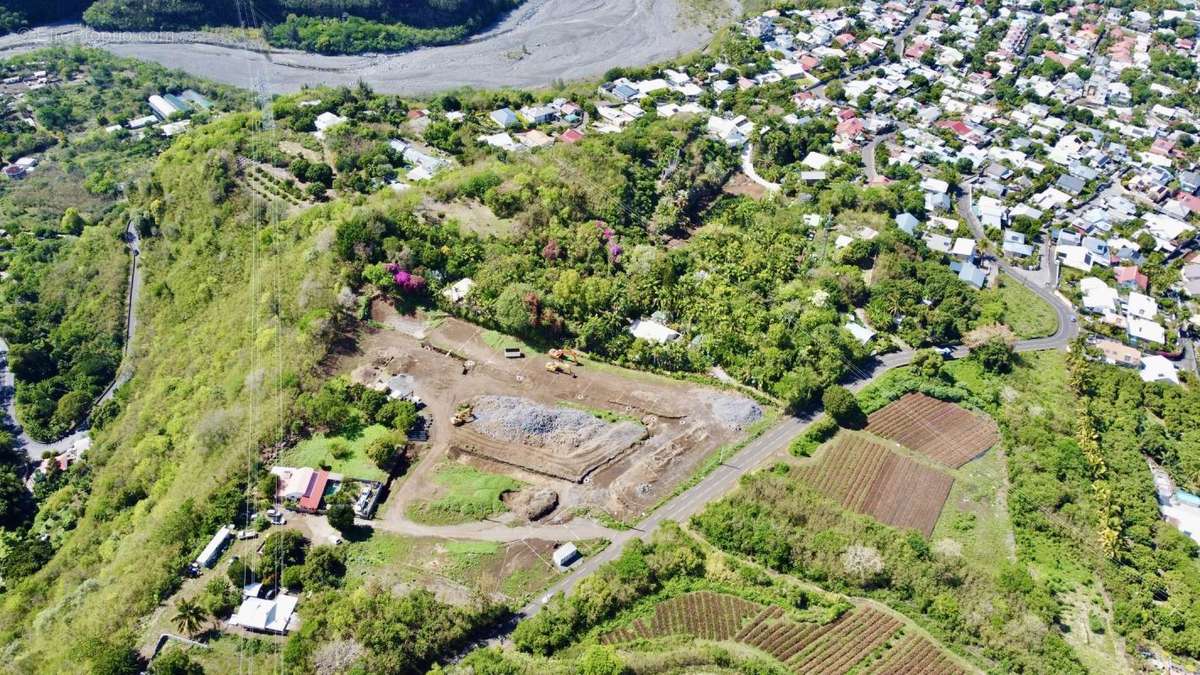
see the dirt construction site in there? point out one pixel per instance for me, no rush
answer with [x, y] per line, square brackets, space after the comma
[602, 438]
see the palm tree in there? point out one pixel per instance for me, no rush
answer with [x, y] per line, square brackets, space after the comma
[189, 616]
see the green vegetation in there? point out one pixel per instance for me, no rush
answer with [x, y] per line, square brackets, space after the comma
[326, 26]
[345, 455]
[751, 289]
[62, 309]
[165, 473]
[1017, 307]
[470, 495]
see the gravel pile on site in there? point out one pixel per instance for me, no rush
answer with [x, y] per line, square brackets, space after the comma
[734, 412]
[518, 420]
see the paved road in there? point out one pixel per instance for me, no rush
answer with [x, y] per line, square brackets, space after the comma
[1041, 284]
[539, 43]
[35, 449]
[752, 173]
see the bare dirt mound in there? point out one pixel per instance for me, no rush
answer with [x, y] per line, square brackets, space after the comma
[555, 441]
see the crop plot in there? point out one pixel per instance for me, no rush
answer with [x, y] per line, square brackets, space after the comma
[913, 654]
[833, 648]
[868, 478]
[703, 614]
[946, 433]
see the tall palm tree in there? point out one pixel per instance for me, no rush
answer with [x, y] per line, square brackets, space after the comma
[189, 616]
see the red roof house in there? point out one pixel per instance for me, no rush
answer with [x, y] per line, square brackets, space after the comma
[311, 501]
[1130, 277]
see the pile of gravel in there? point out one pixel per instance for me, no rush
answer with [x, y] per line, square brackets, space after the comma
[734, 412]
[517, 420]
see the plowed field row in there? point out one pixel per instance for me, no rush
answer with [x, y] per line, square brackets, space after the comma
[707, 615]
[868, 478]
[913, 655]
[834, 648]
[944, 432]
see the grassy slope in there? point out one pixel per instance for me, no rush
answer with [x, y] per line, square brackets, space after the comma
[1024, 312]
[318, 451]
[184, 430]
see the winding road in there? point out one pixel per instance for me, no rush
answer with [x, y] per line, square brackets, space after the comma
[537, 44]
[35, 449]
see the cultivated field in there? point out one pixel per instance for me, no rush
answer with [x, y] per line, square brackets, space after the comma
[865, 639]
[829, 649]
[868, 478]
[944, 432]
[706, 615]
[913, 654]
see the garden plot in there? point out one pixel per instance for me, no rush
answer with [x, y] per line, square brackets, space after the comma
[556, 441]
[868, 478]
[864, 639]
[946, 433]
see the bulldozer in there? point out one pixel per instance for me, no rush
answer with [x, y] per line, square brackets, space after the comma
[556, 367]
[463, 415]
[569, 355]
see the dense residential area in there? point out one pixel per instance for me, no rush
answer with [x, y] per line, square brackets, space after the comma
[856, 338]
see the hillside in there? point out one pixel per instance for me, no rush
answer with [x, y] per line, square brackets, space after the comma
[326, 26]
[165, 470]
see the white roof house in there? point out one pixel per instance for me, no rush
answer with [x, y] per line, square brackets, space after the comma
[162, 107]
[1142, 306]
[1147, 330]
[860, 332]
[327, 119]
[653, 331]
[964, 247]
[458, 290]
[565, 555]
[293, 483]
[1157, 368]
[1076, 257]
[935, 186]
[266, 616]
[1098, 296]
[213, 550]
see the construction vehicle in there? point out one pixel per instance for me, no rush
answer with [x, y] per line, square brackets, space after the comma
[462, 415]
[569, 355]
[556, 367]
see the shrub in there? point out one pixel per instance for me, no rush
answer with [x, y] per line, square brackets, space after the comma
[341, 517]
[843, 408]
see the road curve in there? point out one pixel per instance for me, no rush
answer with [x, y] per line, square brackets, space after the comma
[35, 449]
[541, 42]
[1044, 287]
[752, 173]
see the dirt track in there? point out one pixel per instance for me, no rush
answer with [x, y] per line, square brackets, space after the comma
[539, 43]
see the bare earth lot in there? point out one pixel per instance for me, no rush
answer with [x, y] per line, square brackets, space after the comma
[607, 440]
[541, 42]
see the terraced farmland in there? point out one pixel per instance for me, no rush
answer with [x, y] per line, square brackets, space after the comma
[865, 638]
[946, 433]
[830, 649]
[868, 478]
[913, 654]
[707, 615]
